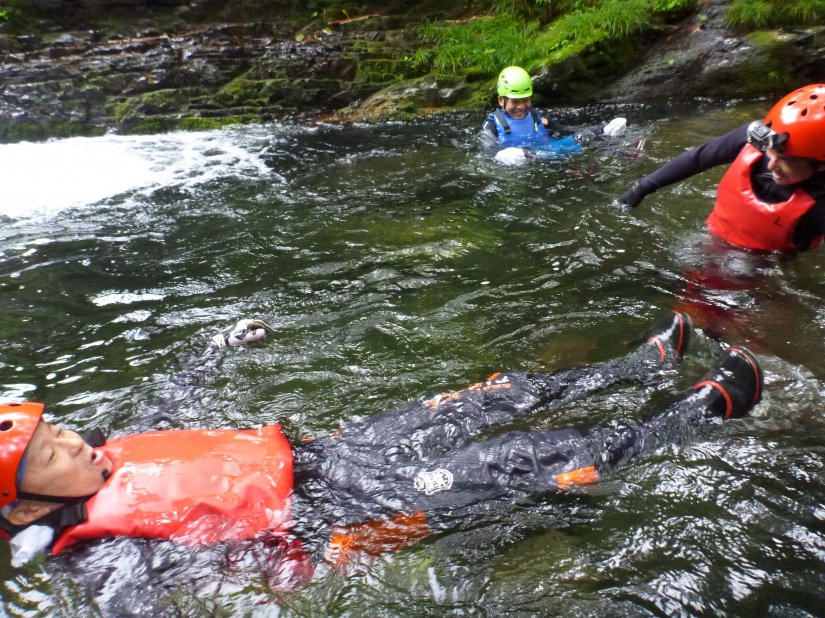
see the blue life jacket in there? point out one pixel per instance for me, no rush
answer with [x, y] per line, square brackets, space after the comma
[558, 148]
[529, 131]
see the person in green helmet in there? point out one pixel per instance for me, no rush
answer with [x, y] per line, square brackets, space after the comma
[516, 124]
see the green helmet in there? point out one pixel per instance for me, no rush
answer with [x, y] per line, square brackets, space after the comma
[514, 83]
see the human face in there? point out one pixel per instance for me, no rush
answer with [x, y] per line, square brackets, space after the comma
[60, 463]
[515, 108]
[789, 170]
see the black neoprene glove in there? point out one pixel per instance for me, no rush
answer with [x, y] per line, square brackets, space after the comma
[584, 137]
[632, 198]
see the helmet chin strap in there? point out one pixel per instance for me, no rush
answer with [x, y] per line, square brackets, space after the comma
[25, 495]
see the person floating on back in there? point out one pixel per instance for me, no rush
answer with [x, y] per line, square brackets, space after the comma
[772, 198]
[378, 484]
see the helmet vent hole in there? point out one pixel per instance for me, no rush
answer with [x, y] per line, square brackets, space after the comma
[804, 112]
[6, 425]
[814, 96]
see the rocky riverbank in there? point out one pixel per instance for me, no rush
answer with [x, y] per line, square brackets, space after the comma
[176, 69]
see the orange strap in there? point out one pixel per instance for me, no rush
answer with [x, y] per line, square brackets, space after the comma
[377, 537]
[581, 476]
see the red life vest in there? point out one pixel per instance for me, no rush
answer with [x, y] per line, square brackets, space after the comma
[743, 220]
[191, 486]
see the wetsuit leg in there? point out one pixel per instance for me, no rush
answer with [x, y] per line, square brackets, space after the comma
[522, 464]
[427, 429]
[482, 477]
[519, 465]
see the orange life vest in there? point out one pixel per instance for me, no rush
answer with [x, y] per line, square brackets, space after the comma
[740, 218]
[191, 486]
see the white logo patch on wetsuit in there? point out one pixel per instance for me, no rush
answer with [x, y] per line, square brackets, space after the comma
[431, 482]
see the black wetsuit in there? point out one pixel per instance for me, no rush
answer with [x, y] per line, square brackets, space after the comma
[724, 150]
[378, 467]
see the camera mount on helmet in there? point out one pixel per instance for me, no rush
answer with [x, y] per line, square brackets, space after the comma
[761, 136]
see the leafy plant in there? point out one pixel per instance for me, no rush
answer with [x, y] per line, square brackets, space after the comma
[613, 18]
[751, 13]
[486, 43]
[17, 16]
[512, 34]
[756, 14]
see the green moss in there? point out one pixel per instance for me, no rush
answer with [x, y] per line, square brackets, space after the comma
[772, 65]
[151, 103]
[193, 123]
[165, 124]
[162, 101]
[383, 70]
[365, 48]
[27, 132]
[120, 110]
[150, 126]
[74, 129]
[241, 91]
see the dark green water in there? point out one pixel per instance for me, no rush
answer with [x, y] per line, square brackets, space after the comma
[394, 261]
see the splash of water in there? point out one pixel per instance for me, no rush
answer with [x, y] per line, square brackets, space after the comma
[45, 178]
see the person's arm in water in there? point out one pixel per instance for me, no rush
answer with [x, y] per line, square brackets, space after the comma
[554, 127]
[488, 128]
[585, 135]
[195, 371]
[718, 151]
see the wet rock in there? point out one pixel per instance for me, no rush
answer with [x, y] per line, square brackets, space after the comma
[156, 78]
[705, 56]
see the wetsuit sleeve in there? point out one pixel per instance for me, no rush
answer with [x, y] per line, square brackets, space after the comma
[488, 129]
[556, 127]
[718, 151]
[180, 388]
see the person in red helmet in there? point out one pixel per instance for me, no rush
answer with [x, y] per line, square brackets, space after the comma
[378, 484]
[772, 198]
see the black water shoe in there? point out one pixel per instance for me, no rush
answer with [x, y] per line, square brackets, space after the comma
[734, 386]
[670, 336]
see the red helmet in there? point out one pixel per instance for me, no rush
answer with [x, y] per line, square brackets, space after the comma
[17, 424]
[801, 115]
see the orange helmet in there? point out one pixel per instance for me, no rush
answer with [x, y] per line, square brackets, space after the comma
[801, 115]
[17, 424]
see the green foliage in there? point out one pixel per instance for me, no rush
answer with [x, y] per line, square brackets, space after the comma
[614, 18]
[529, 10]
[666, 6]
[513, 35]
[753, 14]
[488, 43]
[16, 17]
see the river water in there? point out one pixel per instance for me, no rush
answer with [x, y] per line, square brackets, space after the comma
[398, 260]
